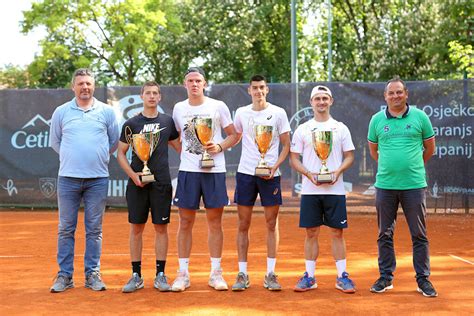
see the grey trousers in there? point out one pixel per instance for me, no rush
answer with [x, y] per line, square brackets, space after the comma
[413, 203]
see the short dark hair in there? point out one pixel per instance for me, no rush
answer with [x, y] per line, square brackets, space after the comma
[150, 84]
[396, 79]
[82, 72]
[258, 78]
[195, 69]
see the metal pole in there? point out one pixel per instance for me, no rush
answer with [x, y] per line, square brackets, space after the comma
[294, 54]
[294, 81]
[329, 40]
[465, 196]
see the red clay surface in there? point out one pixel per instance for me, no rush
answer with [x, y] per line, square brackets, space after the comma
[28, 266]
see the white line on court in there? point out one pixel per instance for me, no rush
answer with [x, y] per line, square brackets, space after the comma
[127, 254]
[462, 259]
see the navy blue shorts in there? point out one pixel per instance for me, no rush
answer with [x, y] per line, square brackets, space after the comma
[193, 185]
[153, 196]
[248, 187]
[329, 210]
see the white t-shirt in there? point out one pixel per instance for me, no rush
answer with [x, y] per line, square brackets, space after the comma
[302, 143]
[191, 152]
[244, 119]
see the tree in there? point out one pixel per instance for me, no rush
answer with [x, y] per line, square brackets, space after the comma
[136, 40]
[376, 39]
[462, 57]
[130, 41]
[236, 39]
[109, 35]
[14, 77]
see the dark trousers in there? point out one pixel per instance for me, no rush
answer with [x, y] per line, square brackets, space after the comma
[413, 203]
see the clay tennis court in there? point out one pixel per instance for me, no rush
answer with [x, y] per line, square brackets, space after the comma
[28, 266]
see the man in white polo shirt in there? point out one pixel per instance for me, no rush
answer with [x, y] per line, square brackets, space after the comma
[323, 203]
[84, 132]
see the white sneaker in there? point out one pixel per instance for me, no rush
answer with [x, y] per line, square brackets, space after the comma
[216, 280]
[181, 282]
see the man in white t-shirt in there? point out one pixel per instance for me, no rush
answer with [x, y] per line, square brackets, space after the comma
[259, 112]
[323, 203]
[195, 182]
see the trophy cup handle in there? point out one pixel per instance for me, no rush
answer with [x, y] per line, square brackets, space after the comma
[251, 128]
[214, 124]
[155, 139]
[128, 135]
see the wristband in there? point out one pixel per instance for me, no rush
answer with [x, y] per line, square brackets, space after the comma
[220, 148]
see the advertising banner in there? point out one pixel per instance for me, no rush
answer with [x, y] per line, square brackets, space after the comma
[29, 166]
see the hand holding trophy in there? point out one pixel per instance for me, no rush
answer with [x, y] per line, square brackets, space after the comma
[263, 136]
[143, 145]
[204, 131]
[322, 144]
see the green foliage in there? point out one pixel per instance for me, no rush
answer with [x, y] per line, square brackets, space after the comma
[55, 66]
[12, 77]
[462, 57]
[129, 41]
[236, 39]
[137, 40]
[373, 40]
[111, 36]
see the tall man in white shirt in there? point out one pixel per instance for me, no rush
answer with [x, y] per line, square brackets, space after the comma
[323, 203]
[259, 112]
[195, 182]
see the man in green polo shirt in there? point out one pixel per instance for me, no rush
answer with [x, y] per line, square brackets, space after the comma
[401, 140]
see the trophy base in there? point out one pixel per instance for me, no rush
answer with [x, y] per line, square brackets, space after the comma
[263, 171]
[324, 178]
[147, 178]
[205, 164]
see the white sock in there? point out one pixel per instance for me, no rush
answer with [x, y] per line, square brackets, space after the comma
[341, 267]
[215, 264]
[310, 267]
[271, 262]
[243, 266]
[183, 264]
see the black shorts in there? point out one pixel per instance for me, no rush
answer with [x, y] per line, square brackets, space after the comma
[155, 197]
[329, 210]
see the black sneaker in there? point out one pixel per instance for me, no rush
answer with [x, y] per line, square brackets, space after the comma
[381, 285]
[426, 288]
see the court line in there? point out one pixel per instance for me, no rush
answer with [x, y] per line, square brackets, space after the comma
[462, 259]
[127, 254]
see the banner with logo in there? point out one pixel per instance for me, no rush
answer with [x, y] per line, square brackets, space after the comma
[29, 166]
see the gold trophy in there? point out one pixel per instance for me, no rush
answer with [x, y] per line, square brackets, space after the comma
[143, 145]
[322, 144]
[204, 131]
[263, 136]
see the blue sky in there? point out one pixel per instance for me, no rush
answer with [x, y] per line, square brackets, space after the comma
[17, 49]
